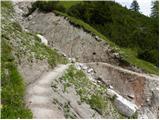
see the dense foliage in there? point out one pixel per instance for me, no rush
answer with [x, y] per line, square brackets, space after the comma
[125, 27]
[155, 9]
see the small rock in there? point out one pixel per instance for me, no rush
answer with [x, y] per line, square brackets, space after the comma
[30, 17]
[116, 55]
[131, 96]
[110, 86]
[73, 60]
[97, 38]
[90, 70]
[85, 67]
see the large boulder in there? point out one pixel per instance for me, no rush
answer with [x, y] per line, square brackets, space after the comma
[124, 106]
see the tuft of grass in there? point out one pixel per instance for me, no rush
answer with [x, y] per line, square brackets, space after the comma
[98, 103]
[7, 5]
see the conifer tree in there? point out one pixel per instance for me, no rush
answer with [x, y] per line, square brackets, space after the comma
[135, 6]
[155, 9]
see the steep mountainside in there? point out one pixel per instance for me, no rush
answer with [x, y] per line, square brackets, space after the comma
[124, 27]
[135, 34]
[97, 82]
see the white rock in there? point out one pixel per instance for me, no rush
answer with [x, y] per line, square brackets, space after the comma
[90, 70]
[110, 86]
[73, 60]
[81, 65]
[85, 67]
[43, 39]
[70, 59]
[30, 17]
[125, 107]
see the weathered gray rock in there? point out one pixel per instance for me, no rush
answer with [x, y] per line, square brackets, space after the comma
[124, 106]
[90, 70]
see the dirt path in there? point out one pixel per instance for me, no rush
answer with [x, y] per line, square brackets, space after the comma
[155, 77]
[39, 95]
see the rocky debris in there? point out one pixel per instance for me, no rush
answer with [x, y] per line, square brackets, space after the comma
[131, 96]
[43, 39]
[30, 17]
[110, 86]
[72, 60]
[116, 55]
[90, 70]
[70, 100]
[98, 39]
[145, 113]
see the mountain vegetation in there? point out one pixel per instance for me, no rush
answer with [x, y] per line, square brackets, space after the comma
[126, 28]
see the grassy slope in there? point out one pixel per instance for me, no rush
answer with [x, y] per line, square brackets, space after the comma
[94, 95]
[128, 54]
[68, 4]
[29, 47]
[12, 84]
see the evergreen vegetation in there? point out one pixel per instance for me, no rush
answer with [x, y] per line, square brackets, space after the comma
[135, 6]
[126, 28]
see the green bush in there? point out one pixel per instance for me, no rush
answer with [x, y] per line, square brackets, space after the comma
[97, 102]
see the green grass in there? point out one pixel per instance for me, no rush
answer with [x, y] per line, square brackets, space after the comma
[127, 54]
[131, 56]
[93, 95]
[12, 86]
[68, 4]
[44, 52]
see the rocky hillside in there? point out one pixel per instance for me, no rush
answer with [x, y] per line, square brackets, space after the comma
[97, 82]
